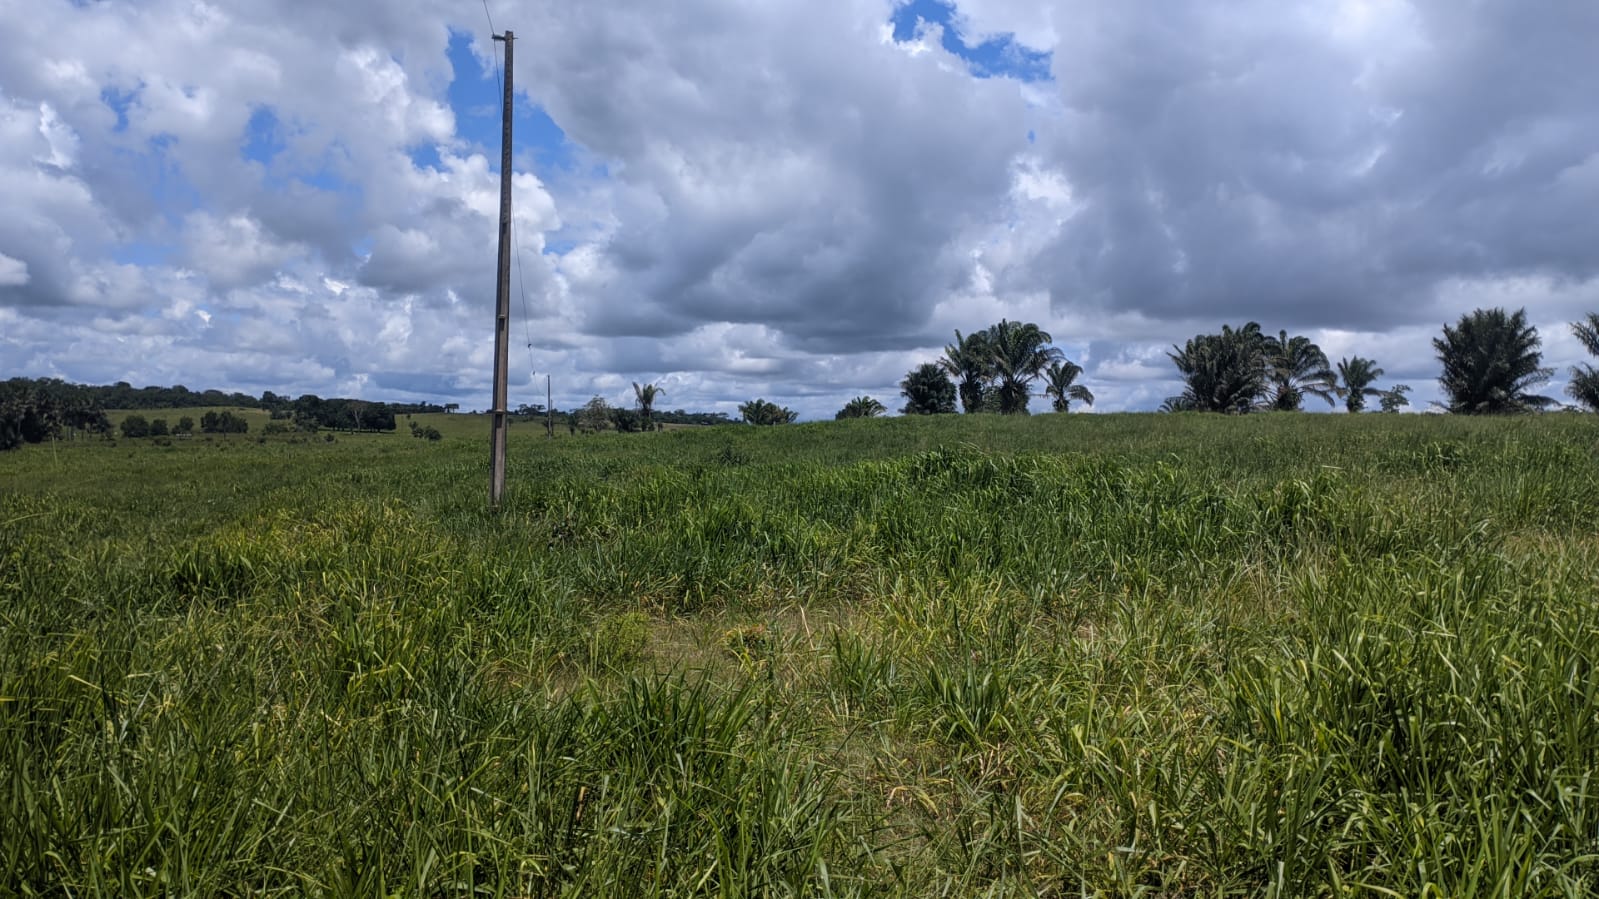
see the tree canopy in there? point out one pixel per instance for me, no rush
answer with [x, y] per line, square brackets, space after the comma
[1491, 364]
[927, 390]
[1223, 372]
[1296, 368]
[761, 412]
[1584, 386]
[861, 407]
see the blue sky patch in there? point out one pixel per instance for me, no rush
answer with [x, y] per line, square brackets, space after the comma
[118, 101]
[263, 139]
[139, 252]
[475, 96]
[1000, 56]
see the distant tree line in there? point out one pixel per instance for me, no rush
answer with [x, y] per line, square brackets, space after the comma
[311, 413]
[33, 410]
[123, 395]
[597, 415]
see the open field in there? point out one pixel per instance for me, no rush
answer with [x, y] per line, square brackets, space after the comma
[1280, 655]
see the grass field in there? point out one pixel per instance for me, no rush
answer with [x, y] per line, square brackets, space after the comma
[1277, 655]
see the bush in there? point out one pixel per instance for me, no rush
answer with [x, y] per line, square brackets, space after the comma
[135, 426]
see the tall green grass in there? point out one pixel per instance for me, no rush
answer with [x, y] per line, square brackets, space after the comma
[1101, 655]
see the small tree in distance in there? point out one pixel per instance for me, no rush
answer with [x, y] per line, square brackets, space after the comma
[761, 412]
[968, 359]
[1357, 375]
[1061, 386]
[595, 415]
[135, 426]
[1297, 367]
[1019, 352]
[927, 390]
[861, 407]
[646, 394]
[1393, 399]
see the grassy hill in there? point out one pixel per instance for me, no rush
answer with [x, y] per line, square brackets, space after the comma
[1113, 654]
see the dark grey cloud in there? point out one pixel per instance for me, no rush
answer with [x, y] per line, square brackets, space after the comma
[783, 166]
[1332, 170]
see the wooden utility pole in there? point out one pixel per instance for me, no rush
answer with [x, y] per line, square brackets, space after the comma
[502, 295]
[549, 409]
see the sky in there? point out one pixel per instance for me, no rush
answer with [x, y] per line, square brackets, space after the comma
[784, 199]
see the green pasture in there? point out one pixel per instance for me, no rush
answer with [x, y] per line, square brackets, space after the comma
[1090, 655]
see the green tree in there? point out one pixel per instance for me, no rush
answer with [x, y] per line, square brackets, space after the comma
[927, 390]
[595, 415]
[1018, 355]
[1223, 372]
[1393, 399]
[1491, 364]
[627, 421]
[970, 362]
[1357, 375]
[1296, 367]
[861, 407]
[158, 427]
[185, 426]
[135, 426]
[761, 412]
[646, 394]
[1062, 387]
[1584, 386]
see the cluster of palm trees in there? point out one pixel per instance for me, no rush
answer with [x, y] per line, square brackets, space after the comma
[993, 370]
[1245, 369]
[1490, 358]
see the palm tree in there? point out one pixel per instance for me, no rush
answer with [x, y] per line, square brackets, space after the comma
[1223, 372]
[1357, 375]
[1584, 386]
[1296, 367]
[861, 407]
[969, 361]
[927, 390]
[1061, 389]
[646, 394]
[761, 412]
[1018, 354]
[1491, 363]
